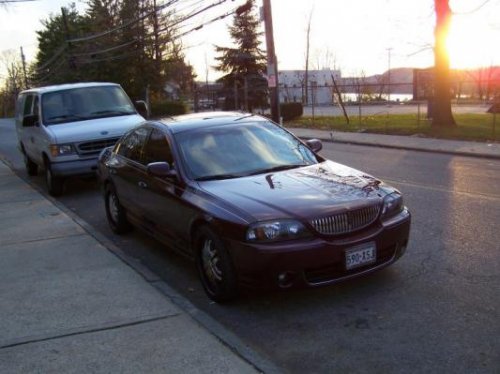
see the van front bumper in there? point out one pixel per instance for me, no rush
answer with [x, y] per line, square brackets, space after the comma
[87, 166]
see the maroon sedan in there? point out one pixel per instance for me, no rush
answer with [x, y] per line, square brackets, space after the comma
[251, 203]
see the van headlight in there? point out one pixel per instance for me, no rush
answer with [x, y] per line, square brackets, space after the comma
[61, 149]
[276, 230]
[393, 204]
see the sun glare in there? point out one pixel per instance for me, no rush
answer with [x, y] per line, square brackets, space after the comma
[469, 45]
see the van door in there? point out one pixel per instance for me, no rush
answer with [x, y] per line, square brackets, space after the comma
[38, 135]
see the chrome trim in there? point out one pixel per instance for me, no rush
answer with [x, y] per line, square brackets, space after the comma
[347, 222]
[402, 216]
[95, 146]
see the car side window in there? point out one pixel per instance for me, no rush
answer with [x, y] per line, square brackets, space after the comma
[157, 148]
[132, 146]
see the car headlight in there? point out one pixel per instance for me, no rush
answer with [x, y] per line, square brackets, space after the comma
[61, 150]
[393, 204]
[276, 230]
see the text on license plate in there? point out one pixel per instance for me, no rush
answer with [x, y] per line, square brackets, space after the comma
[360, 255]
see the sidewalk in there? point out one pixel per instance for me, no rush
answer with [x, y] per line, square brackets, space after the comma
[414, 143]
[68, 304]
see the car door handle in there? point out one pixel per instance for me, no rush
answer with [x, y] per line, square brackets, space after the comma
[142, 184]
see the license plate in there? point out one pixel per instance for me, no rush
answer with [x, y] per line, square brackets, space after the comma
[360, 255]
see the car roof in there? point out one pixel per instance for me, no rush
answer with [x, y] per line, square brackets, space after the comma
[187, 122]
[69, 86]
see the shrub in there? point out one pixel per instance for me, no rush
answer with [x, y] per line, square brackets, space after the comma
[167, 108]
[290, 111]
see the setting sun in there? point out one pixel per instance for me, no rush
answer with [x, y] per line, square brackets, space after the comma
[469, 45]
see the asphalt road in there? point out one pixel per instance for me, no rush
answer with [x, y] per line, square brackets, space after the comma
[435, 310]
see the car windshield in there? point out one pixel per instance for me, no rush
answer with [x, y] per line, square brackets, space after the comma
[242, 149]
[85, 103]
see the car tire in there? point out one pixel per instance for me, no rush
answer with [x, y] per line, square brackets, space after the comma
[115, 213]
[215, 267]
[55, 185]
[31, 167]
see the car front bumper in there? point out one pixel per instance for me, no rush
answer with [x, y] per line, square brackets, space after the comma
[318, 261]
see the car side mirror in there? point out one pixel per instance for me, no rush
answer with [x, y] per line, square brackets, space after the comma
[142, 108]
[314, 145]
[31, 120]
[161, 170]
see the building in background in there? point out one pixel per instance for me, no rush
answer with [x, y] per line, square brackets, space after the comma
[320, 83]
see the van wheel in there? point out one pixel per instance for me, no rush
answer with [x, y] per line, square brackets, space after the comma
[54, 184]
[31, 167]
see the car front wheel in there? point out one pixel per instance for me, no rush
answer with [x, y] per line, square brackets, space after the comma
[215, 268]
[115, 212]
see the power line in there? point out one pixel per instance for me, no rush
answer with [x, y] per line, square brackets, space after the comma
[131, 22]
[192, 15]
[473, 10]
[101, 51]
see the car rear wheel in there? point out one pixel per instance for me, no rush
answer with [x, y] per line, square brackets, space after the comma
[55, 184]
[31, 167]
[117, 218]
[215, 268]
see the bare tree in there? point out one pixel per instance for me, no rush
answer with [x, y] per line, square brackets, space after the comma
[308, 46]
[441, 111]
[11, 65]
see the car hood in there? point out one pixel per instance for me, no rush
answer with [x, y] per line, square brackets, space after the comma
[98, 128]
[303, 193]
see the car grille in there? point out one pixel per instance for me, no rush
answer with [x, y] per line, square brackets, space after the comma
[346, 222]
[95, 146]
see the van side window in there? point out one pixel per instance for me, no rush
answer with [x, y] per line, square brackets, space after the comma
[19, 107]
[27, 105]
[36, 106]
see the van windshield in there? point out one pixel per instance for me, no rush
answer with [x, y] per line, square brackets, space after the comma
[79, 104]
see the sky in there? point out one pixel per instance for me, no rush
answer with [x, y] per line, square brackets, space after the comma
[355, 36]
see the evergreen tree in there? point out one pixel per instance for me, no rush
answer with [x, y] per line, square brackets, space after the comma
[124, 41]
[54, 60]
[244, 84]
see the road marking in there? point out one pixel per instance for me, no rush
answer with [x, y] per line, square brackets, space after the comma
[442, 189]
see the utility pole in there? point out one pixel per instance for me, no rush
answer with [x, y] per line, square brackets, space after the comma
[24, 69]
[389, 74]
[272, 62]
[71, 60]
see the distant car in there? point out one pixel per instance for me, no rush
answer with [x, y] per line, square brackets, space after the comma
[251, 203]
[62, 129]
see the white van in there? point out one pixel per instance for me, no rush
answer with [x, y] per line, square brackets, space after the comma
[62, 129]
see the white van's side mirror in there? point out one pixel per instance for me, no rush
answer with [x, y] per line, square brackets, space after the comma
[142, 108]
[30, 120]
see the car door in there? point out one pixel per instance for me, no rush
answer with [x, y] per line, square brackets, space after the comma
[163, 198]
[128, 170]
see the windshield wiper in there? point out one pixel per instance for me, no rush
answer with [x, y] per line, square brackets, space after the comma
[112, 112]
[277, 168]
[64, 116]
[217, 177]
